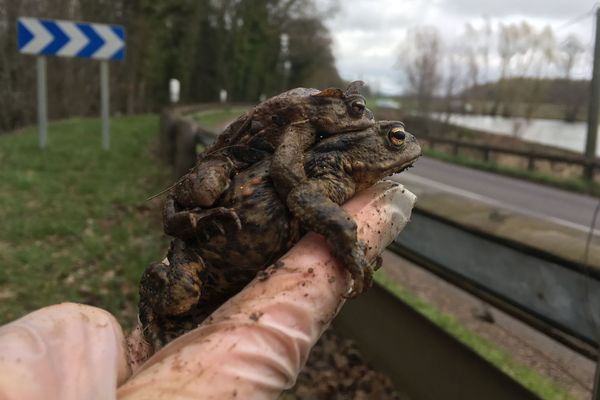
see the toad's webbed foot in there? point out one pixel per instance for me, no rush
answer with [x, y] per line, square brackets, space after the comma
[377, 262]
[215, 219]
[360, 270]
[158, 330]
[188, 224]
[363, 281]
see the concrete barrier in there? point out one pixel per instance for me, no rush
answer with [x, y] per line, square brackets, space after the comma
[179, 136]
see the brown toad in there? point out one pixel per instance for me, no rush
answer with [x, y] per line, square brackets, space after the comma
[285, 125]
[206, 270]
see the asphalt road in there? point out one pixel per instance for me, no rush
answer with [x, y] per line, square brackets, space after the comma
[559, 206]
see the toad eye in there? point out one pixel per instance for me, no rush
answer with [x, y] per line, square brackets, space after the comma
[397, 135]
[358, 107]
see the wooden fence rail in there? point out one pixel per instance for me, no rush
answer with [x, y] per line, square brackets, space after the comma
[488, 150]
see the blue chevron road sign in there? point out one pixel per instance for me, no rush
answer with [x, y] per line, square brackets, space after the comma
[45, 37]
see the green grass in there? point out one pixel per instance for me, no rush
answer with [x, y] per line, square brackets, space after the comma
[536, 383]
[76, 225]
[571, 184]
[217, 116]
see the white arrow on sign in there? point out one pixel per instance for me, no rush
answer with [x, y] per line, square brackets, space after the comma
[112, 42]
[77, 39]
[41, 36]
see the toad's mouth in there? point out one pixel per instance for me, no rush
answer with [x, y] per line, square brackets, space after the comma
[322, 134]
[403, 167]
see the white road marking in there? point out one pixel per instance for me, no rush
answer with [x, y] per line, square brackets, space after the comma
[407, 176]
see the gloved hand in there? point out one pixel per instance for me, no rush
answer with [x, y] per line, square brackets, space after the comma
[253, 347]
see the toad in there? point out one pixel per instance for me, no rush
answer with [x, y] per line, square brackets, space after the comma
[284, 126]
[206, 270]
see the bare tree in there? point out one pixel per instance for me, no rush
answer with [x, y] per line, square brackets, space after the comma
[474, 49]
[507, 50]
[507, 47]
[570, 50]
[526, 54]
[453, 80]
[487, 33]
[420, 59]
[543, 54]
[471, 53]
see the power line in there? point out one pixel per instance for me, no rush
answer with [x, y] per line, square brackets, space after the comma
[578, 18]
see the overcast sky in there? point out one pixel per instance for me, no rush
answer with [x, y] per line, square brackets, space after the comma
[368, 33]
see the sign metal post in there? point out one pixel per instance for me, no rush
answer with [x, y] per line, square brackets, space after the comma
[104, 106]
[41, 100]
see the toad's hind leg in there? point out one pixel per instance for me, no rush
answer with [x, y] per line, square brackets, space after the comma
[173, 288]
[169, 290]
[204, 183]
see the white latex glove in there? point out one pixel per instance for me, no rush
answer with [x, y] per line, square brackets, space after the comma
[253, 347]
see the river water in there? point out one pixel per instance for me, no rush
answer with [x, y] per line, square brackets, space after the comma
[552, 132]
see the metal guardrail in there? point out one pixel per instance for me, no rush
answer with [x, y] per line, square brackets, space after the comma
[552, 294]
[180, 133]
[423, 361]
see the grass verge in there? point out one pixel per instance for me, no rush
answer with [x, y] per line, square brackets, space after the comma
[571, 184]
[76, 225]
[530, 379]
[212, 118]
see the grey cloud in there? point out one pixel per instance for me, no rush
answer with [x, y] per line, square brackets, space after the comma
[559, 10]
[378, 16]
[367, 34]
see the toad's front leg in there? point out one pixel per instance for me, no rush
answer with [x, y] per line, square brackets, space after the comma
[312, 204]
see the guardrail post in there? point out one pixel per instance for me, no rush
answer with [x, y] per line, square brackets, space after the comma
[592, 128]
[588, 170]
[596, 394]
[426, 142]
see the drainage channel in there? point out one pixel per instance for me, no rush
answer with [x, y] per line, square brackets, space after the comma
[423, 361]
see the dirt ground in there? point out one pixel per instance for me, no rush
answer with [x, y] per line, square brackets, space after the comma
[336, 370]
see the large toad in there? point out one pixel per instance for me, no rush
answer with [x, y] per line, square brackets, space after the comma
[219, 260]
[285, 125]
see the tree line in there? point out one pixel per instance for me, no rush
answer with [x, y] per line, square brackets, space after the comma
[508, 69]
[249, 48]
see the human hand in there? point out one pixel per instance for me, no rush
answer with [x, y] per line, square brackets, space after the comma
[253, 347]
